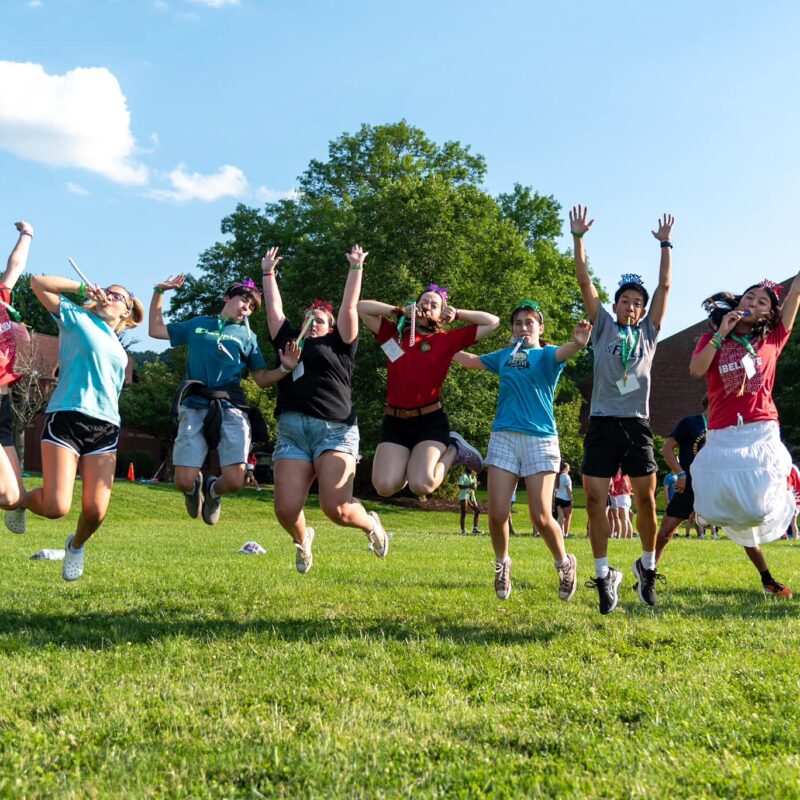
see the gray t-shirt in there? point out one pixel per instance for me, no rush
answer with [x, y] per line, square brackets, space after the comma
[607, 400]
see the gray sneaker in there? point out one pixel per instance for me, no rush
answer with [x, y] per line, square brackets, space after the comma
[16, 520]
[466, 454]
[72, 566]
[304, 558]
[194, 499]
[378, 538]
[502, 579]
[568, 579]
[211, 505]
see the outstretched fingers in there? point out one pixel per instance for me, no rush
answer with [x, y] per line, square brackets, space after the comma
[271, 260]
[578, 223]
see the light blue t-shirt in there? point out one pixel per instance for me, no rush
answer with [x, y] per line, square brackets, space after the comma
[209, 363]
[92, 365]
[527, 388]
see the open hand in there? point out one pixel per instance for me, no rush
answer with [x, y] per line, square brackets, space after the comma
[664, 228]
[271, 260]
[171, 283]
[291, 355]
[356, 256]
[581, 333]
[577, 220]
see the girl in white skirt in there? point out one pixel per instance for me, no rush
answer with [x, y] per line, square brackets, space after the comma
[739, 477]
[524, 440]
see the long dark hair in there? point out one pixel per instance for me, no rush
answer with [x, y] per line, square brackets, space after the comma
[721, 303]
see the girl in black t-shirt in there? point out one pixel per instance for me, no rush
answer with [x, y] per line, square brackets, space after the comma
[317, 430]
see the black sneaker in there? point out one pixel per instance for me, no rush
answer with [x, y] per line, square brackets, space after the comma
[646, 582]
[211, 505]
[194, 499]
[608, 589]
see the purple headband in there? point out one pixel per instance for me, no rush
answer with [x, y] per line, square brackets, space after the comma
[434, 287]
[246, 284]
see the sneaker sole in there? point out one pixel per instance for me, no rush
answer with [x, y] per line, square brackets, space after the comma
[638, 584]
[10, 520]
[385, 552]
[309, 535]
[615, 582]
[574, 584]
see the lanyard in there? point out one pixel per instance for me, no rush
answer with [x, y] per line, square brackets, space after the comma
[221, 325]
[628, 344]
[746, 342]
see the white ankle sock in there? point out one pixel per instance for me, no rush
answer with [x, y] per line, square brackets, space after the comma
[649, 559]
[601, 567]
[561, 564]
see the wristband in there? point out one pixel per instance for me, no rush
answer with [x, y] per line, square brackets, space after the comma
[267, 274]
[717, 339]
[666, 244]
[158, 290]
[680, 475]
[81, 293]
[283, 369]
[577, 235]
[355, 266]
[26, 233]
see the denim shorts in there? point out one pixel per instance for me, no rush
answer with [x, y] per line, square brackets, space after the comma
[191, 448]
[305, 438]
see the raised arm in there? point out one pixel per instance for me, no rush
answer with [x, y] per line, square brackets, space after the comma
[157, 327]
[580, 338]
[371, 312]
[658, 306]
[469, 360]
[487, 323]
[49, 288]
[273, 304]
[579, 226]
[19, 255]
[347, 319]
[791, 303]
[289, 359]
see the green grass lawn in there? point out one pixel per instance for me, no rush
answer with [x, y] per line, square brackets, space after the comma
[178, 668]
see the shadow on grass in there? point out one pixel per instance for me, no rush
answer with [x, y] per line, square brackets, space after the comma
[98, 631]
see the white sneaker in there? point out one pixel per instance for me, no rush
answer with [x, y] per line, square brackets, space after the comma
[378, 538]
[72, 567]
[16, 520]
[502, 579]
[303, 558]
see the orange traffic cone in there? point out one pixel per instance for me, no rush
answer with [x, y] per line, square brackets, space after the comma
[131, 473]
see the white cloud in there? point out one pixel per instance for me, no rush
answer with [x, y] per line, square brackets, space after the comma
[216, 3]
[79, 119]
[76, 188]
[35, 4]
[229, 181]
[266, 195]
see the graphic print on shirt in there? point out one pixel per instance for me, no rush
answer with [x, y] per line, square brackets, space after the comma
[518, 360]
[732, 372]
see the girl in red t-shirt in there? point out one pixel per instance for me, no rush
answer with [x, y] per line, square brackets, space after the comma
[416, 445]
[739, 477]
[11, 488]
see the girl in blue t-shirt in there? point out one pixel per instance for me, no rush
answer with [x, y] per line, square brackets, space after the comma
[524, 440]
[82, 422]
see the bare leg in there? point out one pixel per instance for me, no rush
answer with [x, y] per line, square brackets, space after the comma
[97, 473]
[389, 468]
[501, 486]
[54, 498]
[428, 466]
[292, 481]
[644, 490]
[596, 494]
[11, 486]
[335, 473]
[540, 492]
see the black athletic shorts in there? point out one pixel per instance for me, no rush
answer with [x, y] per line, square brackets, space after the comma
[559, 503]
[83, 435]
[682, 503]
[613, 443]
[6, 421]
[433, 427]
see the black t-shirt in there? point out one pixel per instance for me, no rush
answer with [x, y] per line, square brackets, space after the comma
[690, 434]
[324, 390]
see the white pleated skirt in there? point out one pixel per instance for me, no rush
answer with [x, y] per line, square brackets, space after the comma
[739, 482]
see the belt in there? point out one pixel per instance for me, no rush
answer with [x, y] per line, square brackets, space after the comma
[406, 413]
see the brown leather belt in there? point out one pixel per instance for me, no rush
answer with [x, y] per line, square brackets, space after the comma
[407, 413]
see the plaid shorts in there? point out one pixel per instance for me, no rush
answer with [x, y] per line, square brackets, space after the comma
[523, 454]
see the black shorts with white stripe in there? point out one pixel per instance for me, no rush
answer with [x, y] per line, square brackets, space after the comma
[83, 435]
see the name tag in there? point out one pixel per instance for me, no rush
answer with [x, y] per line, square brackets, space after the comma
[629, 385]
[298, 371]
[392, 349]
[748, 365]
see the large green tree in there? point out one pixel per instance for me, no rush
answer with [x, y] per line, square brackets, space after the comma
[421, 211]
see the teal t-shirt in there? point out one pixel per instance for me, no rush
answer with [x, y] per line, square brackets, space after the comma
[92, 365]
[209, 363]
[527, 388]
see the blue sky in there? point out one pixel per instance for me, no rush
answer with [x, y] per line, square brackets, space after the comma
[129, 128]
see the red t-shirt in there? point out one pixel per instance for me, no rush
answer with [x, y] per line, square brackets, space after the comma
[726, 375]
[620, 484]
[415, 379]
[8, 342]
